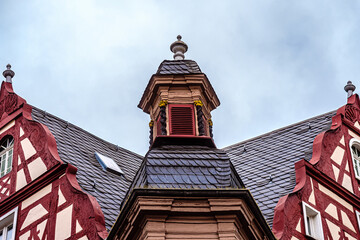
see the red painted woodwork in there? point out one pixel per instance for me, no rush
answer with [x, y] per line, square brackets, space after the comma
[181, 119]
[323, 182]
[85, 210]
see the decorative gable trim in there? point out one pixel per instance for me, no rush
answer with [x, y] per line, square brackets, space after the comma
[37, 163]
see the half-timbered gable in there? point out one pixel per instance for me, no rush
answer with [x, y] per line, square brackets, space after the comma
[309, 172]
[41, 194]
[40, 197]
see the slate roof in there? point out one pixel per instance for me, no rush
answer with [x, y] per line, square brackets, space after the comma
[266, 163]
[187, 167]
[178, 67]
[77, 146]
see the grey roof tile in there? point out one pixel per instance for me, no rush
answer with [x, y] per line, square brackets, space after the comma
[274, 154]
[174, 166]
[178, 67]
[76, 146]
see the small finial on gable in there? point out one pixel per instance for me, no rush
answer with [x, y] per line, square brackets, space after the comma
[349, 88]
[179, 48]
[8, 73]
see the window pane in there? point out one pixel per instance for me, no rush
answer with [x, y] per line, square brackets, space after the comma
[9, 163]
[2, 162]
[308, 225]
[9, 232]
[356, 166]
[1, 235]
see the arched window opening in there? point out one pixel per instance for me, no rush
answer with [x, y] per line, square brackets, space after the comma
[6, 155]
[355, 153]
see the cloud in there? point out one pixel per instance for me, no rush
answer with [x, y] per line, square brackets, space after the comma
[271, 63]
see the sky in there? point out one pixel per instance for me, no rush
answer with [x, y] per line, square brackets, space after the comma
[272, 63]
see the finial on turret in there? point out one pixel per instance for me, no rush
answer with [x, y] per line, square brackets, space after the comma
[8, 73]
[349, 88]
[179, 48]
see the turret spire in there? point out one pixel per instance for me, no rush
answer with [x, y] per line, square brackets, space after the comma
[179, 48]
[8, 73]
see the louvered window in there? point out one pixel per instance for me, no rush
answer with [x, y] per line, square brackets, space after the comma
[181, 119]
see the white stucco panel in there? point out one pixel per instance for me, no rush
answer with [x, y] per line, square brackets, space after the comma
[61, 199]
[336, 171]
[83, 238]
[346, 221]
[298, 226]
[336, 197]
[332, 211]
[28, 148]
[349, 236]
[347, 166]
[354, 135]
[20, 179]
[63, 223]
[25, 236]
[21, 132]
[34, 214]
[334, 230]
[36, 168]
[357, 125]
[78, 227]
[342, 141]
[41, 227]
[347, 183]
[338, 155]
[38, 195]
[312, 198]
[294, 238]
[7, 126]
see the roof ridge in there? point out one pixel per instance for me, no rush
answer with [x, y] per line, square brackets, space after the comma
[276, 130]
[87, 132]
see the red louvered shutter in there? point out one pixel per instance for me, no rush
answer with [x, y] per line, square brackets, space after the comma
[181, 120]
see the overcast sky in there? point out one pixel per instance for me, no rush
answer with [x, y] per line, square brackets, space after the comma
[272, 63]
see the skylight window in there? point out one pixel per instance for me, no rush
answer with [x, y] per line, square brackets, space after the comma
[108, 164]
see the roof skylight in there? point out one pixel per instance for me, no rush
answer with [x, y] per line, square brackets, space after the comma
[108, 164]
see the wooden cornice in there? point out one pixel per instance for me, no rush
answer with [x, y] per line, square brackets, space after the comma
[161, 202]
[158, 80]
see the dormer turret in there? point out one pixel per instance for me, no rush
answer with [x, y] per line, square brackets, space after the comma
[179, 99]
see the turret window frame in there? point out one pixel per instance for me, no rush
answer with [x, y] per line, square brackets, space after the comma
[6, 155]
[355, 156]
